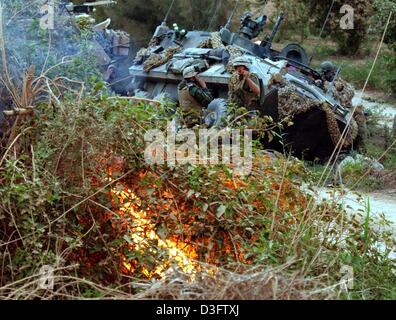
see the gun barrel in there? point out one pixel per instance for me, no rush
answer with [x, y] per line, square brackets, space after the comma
[275, 30]
[99, 3]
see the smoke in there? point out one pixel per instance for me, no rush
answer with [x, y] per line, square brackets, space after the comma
[44, 48]
[49, 40]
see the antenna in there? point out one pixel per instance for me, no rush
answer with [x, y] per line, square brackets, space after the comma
[219, 4]
[227, 26]
[268, 41]
[99, 3]
[336, 75]
[167, 14]
[321, 31]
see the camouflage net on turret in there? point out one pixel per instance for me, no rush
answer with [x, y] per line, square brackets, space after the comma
[292, 104]
[156, 60]
[215, 42]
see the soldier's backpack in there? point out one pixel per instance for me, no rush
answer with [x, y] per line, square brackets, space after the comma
[178, 66]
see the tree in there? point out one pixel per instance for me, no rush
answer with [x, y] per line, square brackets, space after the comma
[382, 10]
[140, 18]
[296, 18]
[348, 41]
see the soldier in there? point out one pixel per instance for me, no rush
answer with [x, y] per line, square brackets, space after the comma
[243, 86]
[194, 96]
[339, 88]
[328, 71]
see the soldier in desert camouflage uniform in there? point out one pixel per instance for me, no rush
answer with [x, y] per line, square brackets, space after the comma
[194, 96]
[244, 87]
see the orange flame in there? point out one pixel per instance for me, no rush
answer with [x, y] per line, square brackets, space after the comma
[142, 233]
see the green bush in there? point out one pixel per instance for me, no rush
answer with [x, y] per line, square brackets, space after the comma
[348, 41]
[140, 18]
[57, 209]
[382, 10]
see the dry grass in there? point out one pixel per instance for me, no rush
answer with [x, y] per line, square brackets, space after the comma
[255, 284]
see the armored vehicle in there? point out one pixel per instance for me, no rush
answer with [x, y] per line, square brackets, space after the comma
[290, 89]
[317, 105]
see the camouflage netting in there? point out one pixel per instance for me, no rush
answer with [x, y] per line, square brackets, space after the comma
[156, 59]
[291, 104]
[342, 91]
[361, 121]
[141, 53]
[214, 42]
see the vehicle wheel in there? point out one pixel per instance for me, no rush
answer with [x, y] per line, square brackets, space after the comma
[216, 113]
[295, 52]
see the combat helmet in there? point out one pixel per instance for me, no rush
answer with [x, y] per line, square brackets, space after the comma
[241, 61]
[189, 72]
[328, 66]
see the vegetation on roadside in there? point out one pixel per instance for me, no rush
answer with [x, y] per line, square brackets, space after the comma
[57, 209]
[76, 194]
[354, 50]
[380, 146]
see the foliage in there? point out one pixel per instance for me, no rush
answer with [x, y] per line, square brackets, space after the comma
[68, 49]
[348, 41]
[58, 206]
[56, 209]
[296, 19]
[379, 147]
[382, 11]
[140, 18]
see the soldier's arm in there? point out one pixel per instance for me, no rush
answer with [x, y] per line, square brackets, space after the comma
[201, 82]
[203, 96]
[253, 84]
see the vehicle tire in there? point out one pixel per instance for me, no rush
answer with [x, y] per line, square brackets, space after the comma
[295, 52]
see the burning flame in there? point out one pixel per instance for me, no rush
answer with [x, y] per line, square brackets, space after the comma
[142, 234]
